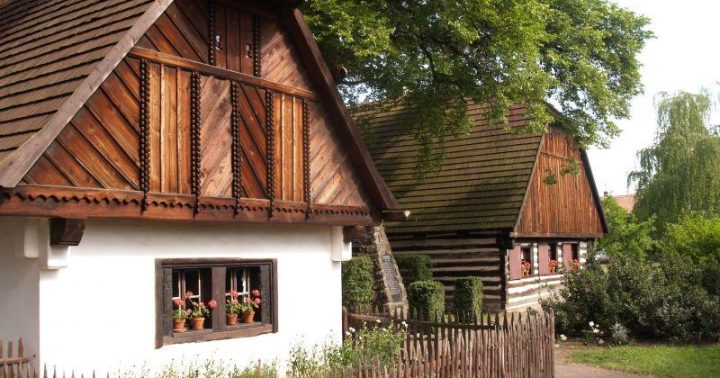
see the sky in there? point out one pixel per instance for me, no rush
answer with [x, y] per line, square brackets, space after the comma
[685, 55]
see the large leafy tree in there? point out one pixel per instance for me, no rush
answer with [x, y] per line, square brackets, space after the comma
[627, 235]
[581, 55]
[680, 173]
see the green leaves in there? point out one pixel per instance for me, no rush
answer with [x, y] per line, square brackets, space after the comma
[578, 54]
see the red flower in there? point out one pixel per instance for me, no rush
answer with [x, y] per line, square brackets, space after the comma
[189, 312]
[212, 304]
[247, 299]
[256, 293]
[179, 302]
[233, 293]
[257, 301]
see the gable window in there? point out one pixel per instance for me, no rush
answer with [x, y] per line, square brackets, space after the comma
[526, 262]
[204, 286]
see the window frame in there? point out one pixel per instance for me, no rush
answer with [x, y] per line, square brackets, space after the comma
[218, 329]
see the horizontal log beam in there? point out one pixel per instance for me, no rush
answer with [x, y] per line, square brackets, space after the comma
[220, 73]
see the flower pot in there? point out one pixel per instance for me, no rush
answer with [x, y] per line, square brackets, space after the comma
[178, 325]
[198, 324]
[231, 319]
[248, 317]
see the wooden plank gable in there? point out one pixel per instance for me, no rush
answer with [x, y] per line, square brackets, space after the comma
[192, 127]
[568, 207]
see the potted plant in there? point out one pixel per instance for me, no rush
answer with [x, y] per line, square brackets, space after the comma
[553, 265]
[199, 312]
[232, 308]
[525, 268]
[575, 264]
[179, 315]
[249, 305]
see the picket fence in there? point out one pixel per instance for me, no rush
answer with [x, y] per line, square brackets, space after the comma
[508, 345]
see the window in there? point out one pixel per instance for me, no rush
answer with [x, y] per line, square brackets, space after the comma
[575, 263]
[186, 283]
[526, 262]
[553, 263]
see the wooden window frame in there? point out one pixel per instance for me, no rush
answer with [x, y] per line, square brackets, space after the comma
[218, 329]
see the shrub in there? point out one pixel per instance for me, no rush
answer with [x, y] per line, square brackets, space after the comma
[427, 298]
[619, 334]
[414, 268]
[468, 295]
[358, 277]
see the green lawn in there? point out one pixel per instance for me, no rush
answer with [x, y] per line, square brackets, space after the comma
[661, 361]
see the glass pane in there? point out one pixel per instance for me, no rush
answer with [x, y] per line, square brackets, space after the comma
[175, 284]
[192, 284]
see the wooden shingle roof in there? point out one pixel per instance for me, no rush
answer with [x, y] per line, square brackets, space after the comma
[482, 180]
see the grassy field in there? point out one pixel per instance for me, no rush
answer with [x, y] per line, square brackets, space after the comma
[660, 361]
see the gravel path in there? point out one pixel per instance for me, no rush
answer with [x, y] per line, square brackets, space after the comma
[565, 369]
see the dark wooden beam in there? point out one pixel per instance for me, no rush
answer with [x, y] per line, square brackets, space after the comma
[195, 150]
[270, 144]
[144, 153]
[66, 232]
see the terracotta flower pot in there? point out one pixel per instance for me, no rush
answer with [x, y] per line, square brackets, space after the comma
[178, 325]
[231, 319]
[198, 324]
[248, 317]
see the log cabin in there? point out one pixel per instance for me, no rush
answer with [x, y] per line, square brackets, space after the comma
[158, 152]
[514, 208]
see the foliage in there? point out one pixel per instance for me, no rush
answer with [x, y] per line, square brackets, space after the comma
[550, 178]
[626, 235]
[358, 277]
[620, 334]
[365, 346]
[593, 334]
[655, 360]
[427, 298]
[468, 295]
[680, 173]
[653, 300]
[414, 268]
[200, 310]
[211, 368]
[698, 238]
[582, 54]
[232, 305]
[572, 168]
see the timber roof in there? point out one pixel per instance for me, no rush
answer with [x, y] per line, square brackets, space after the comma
[54, 54]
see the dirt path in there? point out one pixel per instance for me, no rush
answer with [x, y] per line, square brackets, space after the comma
[565, 369]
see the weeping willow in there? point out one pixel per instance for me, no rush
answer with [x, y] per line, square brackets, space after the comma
[680, 173]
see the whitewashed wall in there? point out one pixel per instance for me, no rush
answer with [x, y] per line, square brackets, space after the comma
[99, 311]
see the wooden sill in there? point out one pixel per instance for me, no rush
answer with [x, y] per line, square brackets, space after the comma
[240, 330]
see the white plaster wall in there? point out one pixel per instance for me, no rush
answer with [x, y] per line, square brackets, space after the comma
[19, 277]
[99, 312]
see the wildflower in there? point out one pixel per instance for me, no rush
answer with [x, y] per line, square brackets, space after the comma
[404, 324]
[563, 338]
[592, 323]
[596, 330]
[601, 341]
[377, 321]
[351, 330]
[348, 334]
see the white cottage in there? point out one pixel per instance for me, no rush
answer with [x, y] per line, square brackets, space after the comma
[156, 150]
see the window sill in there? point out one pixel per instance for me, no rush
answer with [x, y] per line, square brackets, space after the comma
[236, 331]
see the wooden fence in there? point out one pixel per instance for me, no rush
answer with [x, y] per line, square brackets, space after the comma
[12, 365]
[514, 345]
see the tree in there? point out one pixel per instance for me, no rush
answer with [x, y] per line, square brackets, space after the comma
[579, 54]
[627, 235]
[680, 173]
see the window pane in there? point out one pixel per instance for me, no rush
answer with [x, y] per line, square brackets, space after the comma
[192, 283]
[175, 284]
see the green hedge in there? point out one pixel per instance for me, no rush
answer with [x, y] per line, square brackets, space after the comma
[468, 296]
[414, 268]
[358, 276]
[427, 298]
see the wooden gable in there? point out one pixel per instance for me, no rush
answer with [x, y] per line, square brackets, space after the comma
[570, 206]
[211, 115]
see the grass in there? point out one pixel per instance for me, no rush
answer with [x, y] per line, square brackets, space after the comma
[657, 360]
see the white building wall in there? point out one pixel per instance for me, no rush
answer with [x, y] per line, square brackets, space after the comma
[19, 278]
[99, 311]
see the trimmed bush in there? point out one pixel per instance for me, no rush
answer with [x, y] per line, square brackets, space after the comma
[427, 298]
[414, 268]
[468, 296]
[358, 277]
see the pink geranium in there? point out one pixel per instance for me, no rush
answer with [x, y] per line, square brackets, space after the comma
[212, 304]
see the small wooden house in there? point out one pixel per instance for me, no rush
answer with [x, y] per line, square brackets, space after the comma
[516, 209]
[154, 153]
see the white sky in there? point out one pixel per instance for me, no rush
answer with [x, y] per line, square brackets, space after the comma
[685, 55]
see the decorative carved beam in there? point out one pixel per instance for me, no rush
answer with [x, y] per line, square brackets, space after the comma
[306, 157]
[236, 147]
[68, 232]
[144, 152]
[270, 139]
[195, 138]
[213, 45]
